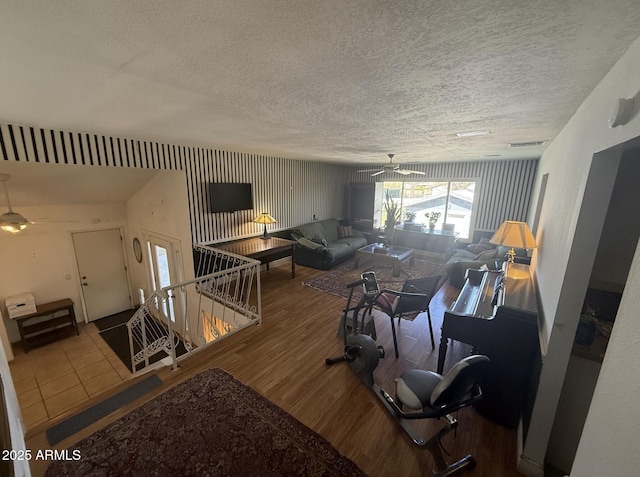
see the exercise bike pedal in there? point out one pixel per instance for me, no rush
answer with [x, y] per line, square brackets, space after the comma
[380, 351]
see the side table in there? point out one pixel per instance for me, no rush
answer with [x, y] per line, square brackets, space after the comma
[45, 331]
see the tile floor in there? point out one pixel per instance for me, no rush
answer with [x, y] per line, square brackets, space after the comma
[52, 379]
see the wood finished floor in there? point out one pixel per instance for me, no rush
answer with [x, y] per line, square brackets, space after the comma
[283, 359]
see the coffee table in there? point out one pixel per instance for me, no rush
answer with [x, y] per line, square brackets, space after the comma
[379, 254]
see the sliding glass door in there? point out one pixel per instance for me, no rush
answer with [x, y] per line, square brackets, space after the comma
[454, 200]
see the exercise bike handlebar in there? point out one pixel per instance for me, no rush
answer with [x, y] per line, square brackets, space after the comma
[356, 283]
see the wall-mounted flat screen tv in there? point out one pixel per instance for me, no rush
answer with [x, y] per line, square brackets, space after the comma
[230, 196]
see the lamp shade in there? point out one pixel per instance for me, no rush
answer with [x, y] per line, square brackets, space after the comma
[514, 234]
[264, 218]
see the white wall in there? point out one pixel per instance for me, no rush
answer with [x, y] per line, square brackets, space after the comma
[161, 207]
[609, 444]
[16, 427]
[567, 245]
[41, 259]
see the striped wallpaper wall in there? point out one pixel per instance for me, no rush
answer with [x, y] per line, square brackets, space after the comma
[28, 144]
[293, 191]
[503, 193]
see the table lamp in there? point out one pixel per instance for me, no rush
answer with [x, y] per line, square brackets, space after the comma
[515, 235]
[264, 218]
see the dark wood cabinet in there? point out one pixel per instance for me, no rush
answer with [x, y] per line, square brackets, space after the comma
[361, 204]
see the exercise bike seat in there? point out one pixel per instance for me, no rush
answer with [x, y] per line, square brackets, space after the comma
[438, 395]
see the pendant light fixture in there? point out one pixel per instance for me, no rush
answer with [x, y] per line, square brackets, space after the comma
[11, 221]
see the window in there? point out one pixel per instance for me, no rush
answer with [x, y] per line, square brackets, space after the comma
[453, 199]
[164, 271]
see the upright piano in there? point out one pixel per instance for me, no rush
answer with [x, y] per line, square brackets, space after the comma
[497, 315]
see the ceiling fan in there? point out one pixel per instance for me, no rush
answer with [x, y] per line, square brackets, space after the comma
[391, 167]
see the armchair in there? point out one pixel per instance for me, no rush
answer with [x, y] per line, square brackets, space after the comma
[415, 297]
[474, 256]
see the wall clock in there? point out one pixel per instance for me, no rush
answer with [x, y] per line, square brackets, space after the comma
[137, 250]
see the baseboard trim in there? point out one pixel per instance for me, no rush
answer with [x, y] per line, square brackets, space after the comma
[527, 466]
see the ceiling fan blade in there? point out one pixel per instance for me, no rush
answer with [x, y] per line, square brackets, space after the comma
[378, 173]
[366, 170]
[406, 172]
[47, 220]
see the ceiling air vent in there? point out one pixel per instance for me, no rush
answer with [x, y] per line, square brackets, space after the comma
[527, 144]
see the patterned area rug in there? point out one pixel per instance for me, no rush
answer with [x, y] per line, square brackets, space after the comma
[211, 424]
[335, 281]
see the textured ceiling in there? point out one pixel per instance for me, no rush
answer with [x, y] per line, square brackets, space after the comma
[340, 81]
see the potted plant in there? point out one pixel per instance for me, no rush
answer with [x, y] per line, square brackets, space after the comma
[409, 217]
[392, 208]
[409, 223]
[432, 217]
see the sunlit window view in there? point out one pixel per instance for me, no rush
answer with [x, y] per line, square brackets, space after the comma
[453, 200]
[160, 277]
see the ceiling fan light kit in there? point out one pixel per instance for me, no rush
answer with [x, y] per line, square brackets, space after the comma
[391, 167]
[11, 221]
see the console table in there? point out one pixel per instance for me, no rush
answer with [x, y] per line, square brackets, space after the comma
[437, 241]
[45, 331]
[265, 250]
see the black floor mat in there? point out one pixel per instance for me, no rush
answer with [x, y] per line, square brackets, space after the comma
[114, 320]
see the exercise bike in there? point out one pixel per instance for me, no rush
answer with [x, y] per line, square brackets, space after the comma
[427, 394]
[360, 349]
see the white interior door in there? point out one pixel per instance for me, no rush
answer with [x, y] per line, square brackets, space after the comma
[103, 273]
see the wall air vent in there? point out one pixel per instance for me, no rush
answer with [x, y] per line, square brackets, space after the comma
[527, 144]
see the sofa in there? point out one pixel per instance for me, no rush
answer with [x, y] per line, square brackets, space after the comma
[461, 257]
[325, 243]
